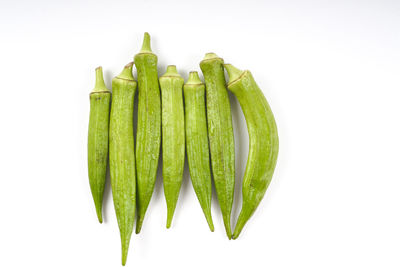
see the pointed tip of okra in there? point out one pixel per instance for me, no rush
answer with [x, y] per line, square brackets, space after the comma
[170, 215]
[125, 248]
[139, 224]
[210, 223]
[126, 73]
[99, 85]
[242, 220]
[169, 224]
[227, 224]
[193, 78]
[146, 47]
[233, 72]
[171, 71]
[99, 215]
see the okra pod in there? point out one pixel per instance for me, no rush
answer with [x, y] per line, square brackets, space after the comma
[122, 155]
[173, 137]
[197, 149]
[220, 134]
[98, 140]
[263, 142]
[148, 137]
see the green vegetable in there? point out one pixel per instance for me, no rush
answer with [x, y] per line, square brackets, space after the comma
[98, 140]
[197, 150]
[122, 155]
[220, 133]
[173, 137]
[148, 128]
[263, 138]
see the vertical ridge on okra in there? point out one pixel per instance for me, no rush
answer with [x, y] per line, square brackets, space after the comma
[197, 149]
[148, 137]
[220, 133]
[263, 142]
[173, 137]
[122, 155]
[98, 140]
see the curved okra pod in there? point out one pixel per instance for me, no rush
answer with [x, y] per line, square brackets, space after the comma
[98, 140]
[122, 155]
[263, 138]
[148, 128]
[197, 150]
[173, 137]
[220, 133]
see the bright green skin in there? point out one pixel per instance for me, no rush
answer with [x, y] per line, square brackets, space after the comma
[263, 142]
[173, 137]
[220, 135]
[197, 150]
[148, 137]
[98, 141]
[122, 155]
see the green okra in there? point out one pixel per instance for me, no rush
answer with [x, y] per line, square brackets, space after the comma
[98, 140]
[220, 133]
[263, 142]
[173, 137]
[122, 155]
[197, 149]
[148, 137]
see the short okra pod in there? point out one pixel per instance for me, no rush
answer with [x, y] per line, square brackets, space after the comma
[98, 140]
[148, 137]
[197, 149]
[122, 155]
[263, 142]
[173, 137]
[220, 134]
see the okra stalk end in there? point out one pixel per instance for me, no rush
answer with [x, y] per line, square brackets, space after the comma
[193, 78]
[126, 73]
[233, 72]
[210, 56]
[171, 71]
[146, 48]
[99, 85]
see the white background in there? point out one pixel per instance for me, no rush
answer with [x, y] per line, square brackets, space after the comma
[329, 69]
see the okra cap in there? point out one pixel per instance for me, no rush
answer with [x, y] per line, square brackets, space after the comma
[100, 86]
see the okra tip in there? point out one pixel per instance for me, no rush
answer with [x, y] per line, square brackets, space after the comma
[146, 48]
[126, 73]
[99, 85]
[233, 72]
[99, 214]
[194, 78]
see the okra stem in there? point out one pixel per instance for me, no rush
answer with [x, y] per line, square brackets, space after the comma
[197, 149]
[220, 133]
[173, 137]
[263, 142]
[98, 140]
[122, 155]
[148, 128]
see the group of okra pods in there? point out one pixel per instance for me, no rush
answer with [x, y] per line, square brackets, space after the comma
[202, 123]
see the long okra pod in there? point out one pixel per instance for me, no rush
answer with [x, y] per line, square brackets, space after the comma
[263, 142]
[98, 140]
[122, 155]
[220, 133]
[197, 150]
[148, 128]
[173, 137]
